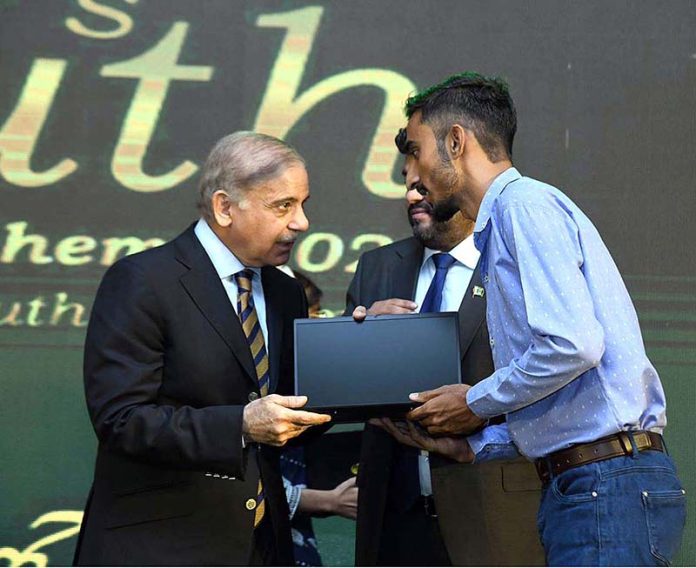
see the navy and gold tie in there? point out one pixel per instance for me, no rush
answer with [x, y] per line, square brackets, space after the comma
[252, 330]
[433, 297]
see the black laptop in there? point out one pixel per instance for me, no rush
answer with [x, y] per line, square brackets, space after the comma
[356, 371]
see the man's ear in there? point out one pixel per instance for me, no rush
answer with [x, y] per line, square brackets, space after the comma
[222, 208]
[456, 141]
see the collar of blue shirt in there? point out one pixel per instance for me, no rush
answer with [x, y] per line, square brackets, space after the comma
[486, 207]
[225, 262]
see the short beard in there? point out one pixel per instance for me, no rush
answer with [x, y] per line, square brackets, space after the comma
[442, 236]
[436, 236]
[445, 176]
[444, 210]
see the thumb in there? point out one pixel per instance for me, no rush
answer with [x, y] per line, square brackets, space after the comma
[360, 313]
[423, 396]
[350, 482]
[291, 401]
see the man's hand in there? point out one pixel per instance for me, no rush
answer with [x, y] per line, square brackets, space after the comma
[382, 307]
[445, 412]
[273, 420]
[341, 500]
[455, 448]
[344, 499]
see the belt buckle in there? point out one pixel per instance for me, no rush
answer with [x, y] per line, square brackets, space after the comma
[626, 444]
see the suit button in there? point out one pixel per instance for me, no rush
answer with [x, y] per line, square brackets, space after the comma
[253, 396]
[250, 504]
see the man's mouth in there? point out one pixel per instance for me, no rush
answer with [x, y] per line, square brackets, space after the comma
[419, 213]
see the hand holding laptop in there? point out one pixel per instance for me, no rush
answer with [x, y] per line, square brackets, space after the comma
[411, 434]
[445, 412]
[382, 307]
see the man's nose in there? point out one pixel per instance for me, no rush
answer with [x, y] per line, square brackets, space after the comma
[299, 221]
[413, 196]
[411, 178]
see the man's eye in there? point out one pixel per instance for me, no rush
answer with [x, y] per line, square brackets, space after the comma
[284, 206]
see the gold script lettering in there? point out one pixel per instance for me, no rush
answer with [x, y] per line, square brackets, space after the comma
[124, 21]
[154, 69]
[282, 106]
[21, 131]
[31, 554]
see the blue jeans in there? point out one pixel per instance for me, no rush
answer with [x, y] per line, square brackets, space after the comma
[624, 511]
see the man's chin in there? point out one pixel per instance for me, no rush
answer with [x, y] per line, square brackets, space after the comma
[281, 256]
[423, 232]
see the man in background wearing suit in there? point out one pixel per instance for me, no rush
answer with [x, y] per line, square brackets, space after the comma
[187, 360]
[423, 509]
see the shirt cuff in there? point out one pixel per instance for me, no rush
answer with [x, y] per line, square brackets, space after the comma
[475, 400]
[492, 443]
[293, 494]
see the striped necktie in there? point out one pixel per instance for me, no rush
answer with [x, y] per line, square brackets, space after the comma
[252, 330]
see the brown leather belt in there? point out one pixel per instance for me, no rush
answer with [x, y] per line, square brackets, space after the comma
[599, 450]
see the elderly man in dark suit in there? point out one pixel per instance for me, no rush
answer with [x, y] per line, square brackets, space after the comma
[188, 361]
[423, 509]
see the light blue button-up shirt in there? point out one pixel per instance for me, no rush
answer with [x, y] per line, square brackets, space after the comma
[570, 364]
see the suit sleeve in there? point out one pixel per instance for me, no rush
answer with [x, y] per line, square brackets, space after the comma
[123, 372]
[353, 293]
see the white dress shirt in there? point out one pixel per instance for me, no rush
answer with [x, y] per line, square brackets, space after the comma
[227, 265]
[456, 283]
[458, 276]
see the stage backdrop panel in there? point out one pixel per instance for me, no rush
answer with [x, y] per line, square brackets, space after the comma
[108, 109]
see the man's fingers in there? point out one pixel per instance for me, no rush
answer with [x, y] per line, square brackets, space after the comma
[419, 413]
[424, 441]
[304, 418]
[392, 306]
[347, 484]
[405, 303]
[360, 313]
[287, 401]
[425, 396]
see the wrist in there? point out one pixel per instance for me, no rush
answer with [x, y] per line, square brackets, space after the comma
[465, 453]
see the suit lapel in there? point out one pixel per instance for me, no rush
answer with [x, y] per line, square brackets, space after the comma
[274, 324]
[206, 290]
[471, 312]
[406, 270]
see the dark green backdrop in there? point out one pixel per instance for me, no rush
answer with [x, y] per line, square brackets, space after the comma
[107, 109]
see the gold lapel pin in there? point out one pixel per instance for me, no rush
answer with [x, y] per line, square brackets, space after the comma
[478, 292]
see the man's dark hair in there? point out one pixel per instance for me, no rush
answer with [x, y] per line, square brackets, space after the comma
[476, 102]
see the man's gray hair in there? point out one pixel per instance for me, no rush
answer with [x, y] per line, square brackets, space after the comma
[240, 161]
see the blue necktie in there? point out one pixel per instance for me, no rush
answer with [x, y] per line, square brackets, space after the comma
[433, 298]
[405, 484]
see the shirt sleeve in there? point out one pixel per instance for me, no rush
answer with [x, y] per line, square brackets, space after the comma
[493, 443]
[293, 494]
[566, 338]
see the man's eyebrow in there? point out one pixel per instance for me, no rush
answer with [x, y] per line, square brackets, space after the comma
[283, 200]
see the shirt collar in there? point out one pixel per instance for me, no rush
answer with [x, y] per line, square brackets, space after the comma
[494, 190]
[224, 261]
[464, 253]
[492, 193]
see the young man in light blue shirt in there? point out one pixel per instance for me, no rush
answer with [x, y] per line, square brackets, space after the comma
[571, 376]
